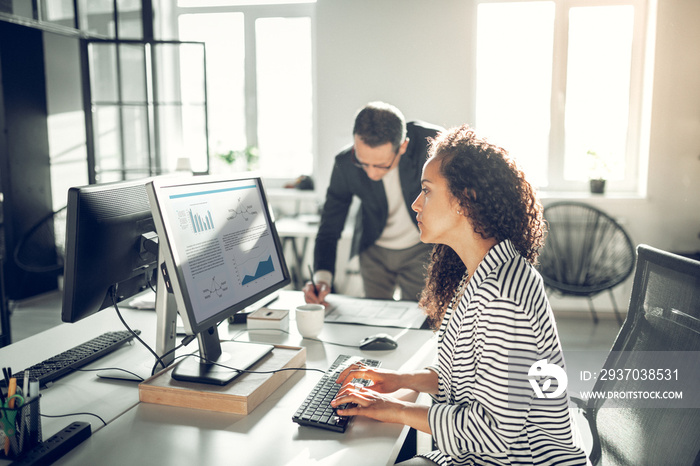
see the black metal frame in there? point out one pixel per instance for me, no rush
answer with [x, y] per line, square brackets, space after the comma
[5, 329]
[554, 245]
[154, 148]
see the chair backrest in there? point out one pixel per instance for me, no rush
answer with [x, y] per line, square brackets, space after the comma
[663, 316]
[586, 250]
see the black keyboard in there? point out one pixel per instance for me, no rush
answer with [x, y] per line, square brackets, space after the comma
[316, 410]
[64, 363]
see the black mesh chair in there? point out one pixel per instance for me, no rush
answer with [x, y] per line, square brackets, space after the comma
[41, 248]
[663, 316]
[586, 252]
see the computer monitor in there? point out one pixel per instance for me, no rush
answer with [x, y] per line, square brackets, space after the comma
[105, 224]
[219, 252]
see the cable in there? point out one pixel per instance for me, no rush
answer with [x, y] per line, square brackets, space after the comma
[73, 414]
[285, 331]
[113, 288]
[188, 339]
[159, 359]
[247, 371]
[149, 280]
[185, 341]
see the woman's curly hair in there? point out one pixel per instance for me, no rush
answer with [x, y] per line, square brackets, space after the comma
[494, 194]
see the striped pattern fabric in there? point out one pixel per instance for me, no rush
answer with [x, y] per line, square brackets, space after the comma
[486, 411]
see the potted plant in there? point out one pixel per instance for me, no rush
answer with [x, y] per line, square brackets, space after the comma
[598, 173]
[244, 159]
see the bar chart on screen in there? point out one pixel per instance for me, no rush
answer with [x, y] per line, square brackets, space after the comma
[201, 222]
[196, 218]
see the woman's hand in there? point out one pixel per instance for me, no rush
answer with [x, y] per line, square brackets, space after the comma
[369, 403]
[383, 381]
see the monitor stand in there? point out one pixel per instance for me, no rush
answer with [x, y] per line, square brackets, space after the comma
[235, 356]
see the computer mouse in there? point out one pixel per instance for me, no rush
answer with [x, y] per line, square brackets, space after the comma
[378, 342]
[117, 374]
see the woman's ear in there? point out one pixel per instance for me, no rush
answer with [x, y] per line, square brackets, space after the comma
[458, 208]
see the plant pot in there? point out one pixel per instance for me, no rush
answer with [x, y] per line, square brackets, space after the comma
[597, 186]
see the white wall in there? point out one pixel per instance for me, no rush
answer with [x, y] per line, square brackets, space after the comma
[411, 53]
[416, 54]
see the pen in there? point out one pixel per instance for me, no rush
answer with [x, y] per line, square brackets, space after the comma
[11, 389]
[34, 387]
[311, 271]
[25, 384]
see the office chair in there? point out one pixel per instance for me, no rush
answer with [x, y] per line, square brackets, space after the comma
[33, 252]
[663, 316]
[586, 252]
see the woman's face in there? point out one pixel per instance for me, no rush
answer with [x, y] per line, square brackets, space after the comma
[436, 209]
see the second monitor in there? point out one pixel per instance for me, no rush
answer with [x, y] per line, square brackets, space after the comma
[219, 252]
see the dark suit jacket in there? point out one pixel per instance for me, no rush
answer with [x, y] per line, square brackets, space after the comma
[348, 180]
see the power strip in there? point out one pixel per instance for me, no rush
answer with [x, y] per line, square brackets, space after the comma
[57, 445]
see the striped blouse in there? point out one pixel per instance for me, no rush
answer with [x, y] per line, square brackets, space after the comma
[486, 410]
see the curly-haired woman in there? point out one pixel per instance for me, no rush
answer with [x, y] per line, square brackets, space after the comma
[495, 325]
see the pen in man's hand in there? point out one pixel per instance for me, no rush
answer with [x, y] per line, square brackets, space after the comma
[311, 271]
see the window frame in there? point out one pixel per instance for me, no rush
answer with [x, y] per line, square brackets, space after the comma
[637, 131]
[251, 13]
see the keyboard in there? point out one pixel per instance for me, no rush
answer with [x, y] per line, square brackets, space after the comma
[64, 363]
[316, 410]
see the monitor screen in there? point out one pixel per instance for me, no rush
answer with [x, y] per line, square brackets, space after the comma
[104, 228]
[221, 253]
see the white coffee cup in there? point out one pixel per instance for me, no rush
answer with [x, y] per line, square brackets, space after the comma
[310, 319]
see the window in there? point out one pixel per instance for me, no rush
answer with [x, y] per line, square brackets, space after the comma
[142, 119]
[259, 79]
[222, 34]
[559, 80]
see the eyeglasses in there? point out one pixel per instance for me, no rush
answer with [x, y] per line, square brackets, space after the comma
[366, 166]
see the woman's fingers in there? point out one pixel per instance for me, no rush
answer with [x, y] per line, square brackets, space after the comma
[351, 394]
[350, 389]
[355, 371]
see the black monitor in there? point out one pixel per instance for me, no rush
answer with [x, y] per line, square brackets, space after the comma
[105, 224]
[219, 252]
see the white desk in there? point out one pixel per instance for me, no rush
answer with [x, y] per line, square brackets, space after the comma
[294, 201]
[298, 233]
[142, 433]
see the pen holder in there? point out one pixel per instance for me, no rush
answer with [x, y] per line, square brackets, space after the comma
[27, 429]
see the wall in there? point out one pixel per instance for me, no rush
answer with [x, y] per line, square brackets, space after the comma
[399, 51]
[670, 216]
[416, 54]
[66, 118]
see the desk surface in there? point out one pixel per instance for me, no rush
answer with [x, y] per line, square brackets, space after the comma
[142, 433]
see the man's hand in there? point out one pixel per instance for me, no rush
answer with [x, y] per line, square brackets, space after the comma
[316, 294]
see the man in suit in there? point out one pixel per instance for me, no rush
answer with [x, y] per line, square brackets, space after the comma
[383, 169]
